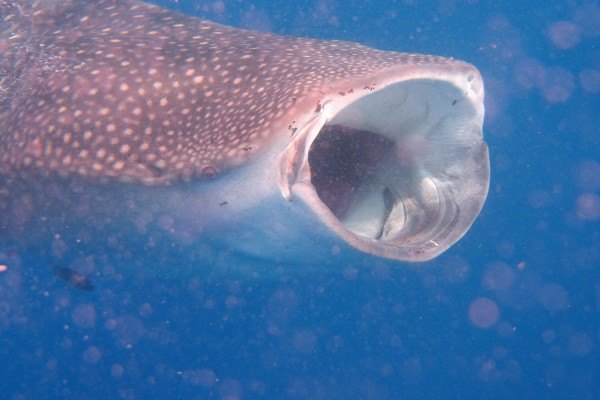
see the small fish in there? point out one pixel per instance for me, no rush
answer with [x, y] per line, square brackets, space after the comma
[77, 280]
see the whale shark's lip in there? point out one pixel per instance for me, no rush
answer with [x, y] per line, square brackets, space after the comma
[426, 177]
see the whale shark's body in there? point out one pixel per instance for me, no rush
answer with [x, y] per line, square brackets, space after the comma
[135, 133]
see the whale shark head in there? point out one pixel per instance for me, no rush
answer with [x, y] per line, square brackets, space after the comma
[124, 122]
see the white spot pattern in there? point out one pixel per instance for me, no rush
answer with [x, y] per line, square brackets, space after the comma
[126, 90]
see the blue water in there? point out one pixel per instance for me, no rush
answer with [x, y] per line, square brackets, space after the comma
[511, 312]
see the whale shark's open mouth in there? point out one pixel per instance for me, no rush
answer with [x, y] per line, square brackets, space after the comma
[403, 170]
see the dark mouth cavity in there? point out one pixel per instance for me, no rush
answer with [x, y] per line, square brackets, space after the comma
[340, 159]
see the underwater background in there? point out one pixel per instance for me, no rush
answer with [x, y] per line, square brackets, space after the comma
[510, 312]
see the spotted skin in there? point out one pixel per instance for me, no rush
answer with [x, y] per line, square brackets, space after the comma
[124, 90]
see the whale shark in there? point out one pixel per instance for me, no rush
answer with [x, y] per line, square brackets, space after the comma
[135, 133]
